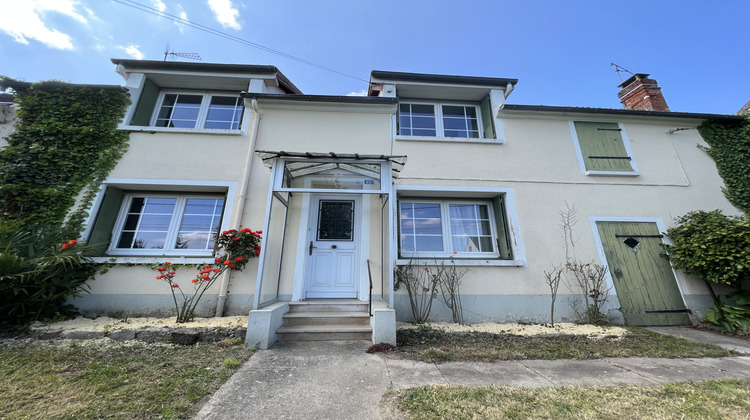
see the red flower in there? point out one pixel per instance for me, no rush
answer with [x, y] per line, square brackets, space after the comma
[205, 277]
[239, 259]
[159, 277]
[235, 239]
[227, 262]
[216, 270]
[257, 251]
[194, 280]
[172, 273]
[64, 246]
[162, 269]
[231, 265]
[167, 263]
[259, 231]
[72, 242]
[217, 259]
[175, 285]
[246, 230]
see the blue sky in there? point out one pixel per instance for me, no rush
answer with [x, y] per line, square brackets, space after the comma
[559, 50]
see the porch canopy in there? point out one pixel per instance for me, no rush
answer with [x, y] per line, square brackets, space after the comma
[307, 173]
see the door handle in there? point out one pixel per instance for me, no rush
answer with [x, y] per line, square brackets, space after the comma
[333, 247]
[311, 247]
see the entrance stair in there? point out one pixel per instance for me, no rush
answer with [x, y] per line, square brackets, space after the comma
[326, 320]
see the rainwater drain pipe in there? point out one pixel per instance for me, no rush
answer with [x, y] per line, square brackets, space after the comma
[239, 208]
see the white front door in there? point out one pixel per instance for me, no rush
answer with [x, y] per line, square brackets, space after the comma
[333, 247]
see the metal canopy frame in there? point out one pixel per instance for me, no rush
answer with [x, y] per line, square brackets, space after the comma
[390, 167]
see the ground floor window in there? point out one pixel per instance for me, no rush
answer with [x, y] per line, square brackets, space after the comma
[168, 222]
[157, 223]
[442, 228]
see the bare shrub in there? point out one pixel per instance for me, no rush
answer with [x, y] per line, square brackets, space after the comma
[421, 286]
[449, 281]
[552, 279]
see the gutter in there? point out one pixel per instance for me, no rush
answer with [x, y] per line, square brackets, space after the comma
[240, 207]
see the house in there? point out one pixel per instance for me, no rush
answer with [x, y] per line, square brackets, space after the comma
[425, 169]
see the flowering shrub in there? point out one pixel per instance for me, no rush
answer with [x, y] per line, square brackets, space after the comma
[234, 248]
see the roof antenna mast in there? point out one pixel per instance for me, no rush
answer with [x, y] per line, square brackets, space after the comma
[619, 68]
[175, 55]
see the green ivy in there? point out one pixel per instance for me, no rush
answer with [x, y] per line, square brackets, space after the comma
[730, 148]
[65, 145]
[711, 245]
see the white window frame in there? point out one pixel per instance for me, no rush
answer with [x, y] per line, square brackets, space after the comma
[464, 194]
[447, 236]
[202, 113]
[172, 231]
[439, 127]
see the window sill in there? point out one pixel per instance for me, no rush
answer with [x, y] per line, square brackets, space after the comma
[152, 260]
[463, 262]
[612, 173]
[152, 130]
[462, 140]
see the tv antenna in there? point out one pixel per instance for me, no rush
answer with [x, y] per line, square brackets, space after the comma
[619, 68]
[175, 55]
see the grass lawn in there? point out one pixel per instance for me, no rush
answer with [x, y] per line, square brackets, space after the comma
[724, 399]
[437, 346]
[98, 379]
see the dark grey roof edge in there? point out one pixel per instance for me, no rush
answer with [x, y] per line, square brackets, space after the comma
[441, 78]
[218, 67]
[16, 84]
[372, 100]
[612, 111]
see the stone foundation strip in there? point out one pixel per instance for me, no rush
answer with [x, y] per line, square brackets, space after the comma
[184, 336]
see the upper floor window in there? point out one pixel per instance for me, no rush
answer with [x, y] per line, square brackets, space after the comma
[192, 110]
[439, 120]
[187, 110]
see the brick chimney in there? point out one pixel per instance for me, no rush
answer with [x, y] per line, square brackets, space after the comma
[640, 92]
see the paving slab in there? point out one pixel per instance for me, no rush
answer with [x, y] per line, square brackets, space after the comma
[728, 342]
[597, 372]
[303, 380]
[511, 373]
[404, 373]
[690, 369]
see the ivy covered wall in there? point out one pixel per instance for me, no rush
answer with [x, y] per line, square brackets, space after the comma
[65, 143]
[730, 148]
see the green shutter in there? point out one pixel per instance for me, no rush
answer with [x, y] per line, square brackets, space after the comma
[644, 281]
[503, 233]
[487, 118]
[104, 222]
[145, 108]
[602, 147]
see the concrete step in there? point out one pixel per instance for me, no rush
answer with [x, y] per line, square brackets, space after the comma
[326, 318]
[324, 332]
[329, 305]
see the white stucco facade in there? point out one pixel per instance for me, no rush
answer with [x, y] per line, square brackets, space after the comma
[525, 173]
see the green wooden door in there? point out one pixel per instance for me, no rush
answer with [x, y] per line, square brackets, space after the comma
[643, 279]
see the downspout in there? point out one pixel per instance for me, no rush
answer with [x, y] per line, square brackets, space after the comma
[241, 199]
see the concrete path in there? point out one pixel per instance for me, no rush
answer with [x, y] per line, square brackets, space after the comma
[338, 380]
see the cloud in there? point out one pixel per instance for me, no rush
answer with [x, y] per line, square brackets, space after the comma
[225, 13]
[159, 5]
[362, 92]
[133, 51]
[22, 20]
[183, 15]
